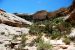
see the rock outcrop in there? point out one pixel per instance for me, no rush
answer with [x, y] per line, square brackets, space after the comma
[71, 15]
[58, 13]
[12, 20]
[72, 7]
[12, 30]
[10, 26]
[40, 15]
[72, 34]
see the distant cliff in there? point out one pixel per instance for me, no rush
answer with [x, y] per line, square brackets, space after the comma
[44, 15]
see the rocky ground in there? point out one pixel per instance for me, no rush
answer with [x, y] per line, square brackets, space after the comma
[10, 26]
[14, 37]
[15, 31]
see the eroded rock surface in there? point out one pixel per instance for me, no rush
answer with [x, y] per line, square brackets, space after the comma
[12, 20]
[12, 30]
[10, 26]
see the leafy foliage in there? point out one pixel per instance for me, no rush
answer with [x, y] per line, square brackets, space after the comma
[43, 46]
[66, 40]
[56, 28]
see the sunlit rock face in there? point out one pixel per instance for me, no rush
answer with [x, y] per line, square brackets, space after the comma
[64, 10]
[40, 15]
[71, 17]
[72, 34]
[12, 30]
[58, 13]
[10, 26]
[12, 20]
[43, 14]
[7, 34]
[72, 7]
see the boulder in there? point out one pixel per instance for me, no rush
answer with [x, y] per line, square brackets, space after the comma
[72, 34]
[53, 42]
[57, 42]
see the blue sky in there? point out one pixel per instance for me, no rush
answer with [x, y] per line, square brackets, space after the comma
[31, 6]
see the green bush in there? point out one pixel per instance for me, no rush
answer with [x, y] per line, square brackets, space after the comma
[23, 40]
[61, 28]
[55, 28]
[36, 29]
[66, 40]
[43, 46]
[72, 39]
[22, 43]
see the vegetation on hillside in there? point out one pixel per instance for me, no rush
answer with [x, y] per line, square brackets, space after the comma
[55, 28]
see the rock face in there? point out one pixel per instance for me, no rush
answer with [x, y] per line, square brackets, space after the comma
[12, 20]
[12, 30]
[71, 17]
[58, 13]
[43, 14]
[40, 15]
[10, 26]
[72, 34]
[72, 7]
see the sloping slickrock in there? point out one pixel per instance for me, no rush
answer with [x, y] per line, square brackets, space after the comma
[5, 40]
[7, 33]
[10, 25]
[13, 20]
[12, 30]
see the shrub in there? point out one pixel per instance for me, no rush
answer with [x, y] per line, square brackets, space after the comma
[66, 40]
[55, 28]
[61, 28]
[23, 40]
[43, 46]
[36, 29]
[22, 43]
[72, 39]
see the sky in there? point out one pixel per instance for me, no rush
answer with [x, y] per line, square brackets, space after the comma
[31, 6]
